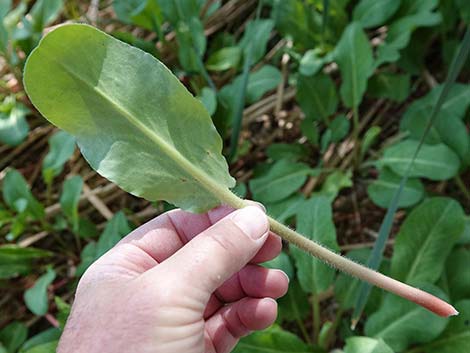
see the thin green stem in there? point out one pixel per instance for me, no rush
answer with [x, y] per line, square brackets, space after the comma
[357, 147]
[329, 337]
[299, 320]
[316, 317]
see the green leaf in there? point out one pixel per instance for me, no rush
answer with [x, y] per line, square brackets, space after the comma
[464, 9]
[369, 139]
[13, 126]
[85, 92]
[354, 57]
[36, 297]
[401, 323]
[425, 239]
[281, 262]
[272, 340]
[61, 148]
[49, 347]
[18, 196]
[286, 208]
[317, 96]
[458, 274]
[448, 127]
[281, 181]
[294, 306]
[373, 13]
[45, 12]
[87, 257]
[456, 336]
[115, 230]
[382, 190]
[15, 260]
[209, 99]
[395, 87]
[435, 162]
[293, 152]
[63, 311]
[13, 336]
[47, 336]
[224, 59]
[315, 221]
[69, 199]
[311, 63]
[144, 13]
[256, 35]
[412, 15]
[366, 345]
[334, 183]
[339, 128]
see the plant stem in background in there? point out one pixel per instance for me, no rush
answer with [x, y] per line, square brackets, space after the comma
[357, 148]
[316, 317]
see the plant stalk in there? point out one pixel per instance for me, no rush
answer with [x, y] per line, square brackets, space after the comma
[418, 296]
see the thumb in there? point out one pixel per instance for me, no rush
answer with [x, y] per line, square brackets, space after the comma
[214, 255]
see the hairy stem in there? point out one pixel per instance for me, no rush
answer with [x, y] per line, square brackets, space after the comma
[345, 265]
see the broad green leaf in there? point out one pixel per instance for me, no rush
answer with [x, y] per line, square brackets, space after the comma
[173, 141]
[63, 311]
[311, 63]
[315, 221]
[47, 336]
[401, 323]
[334, 183]
[448, 127]
[272, 340]
[412, 15]
[256, 35]
[373, 13]
[115, 230]
[281, 181]
[224, 59]
[456, 336]
[87, 257]
[259, 82]
[13, 125]
[36, 297]
[61, 148]
[209, 99]
[354, 57]
[177, 10]
[382, 190]
[359, 344]
[293, 152]
[465, 237]
[13, 335]
[18, 196]
[458, 274]
[71, 191]
[395, 87]
[425, 239]
[435, 162]
[317, 96]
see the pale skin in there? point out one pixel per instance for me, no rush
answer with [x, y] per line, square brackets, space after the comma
[180, 283]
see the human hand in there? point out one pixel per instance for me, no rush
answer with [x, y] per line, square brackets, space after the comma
[180, 283]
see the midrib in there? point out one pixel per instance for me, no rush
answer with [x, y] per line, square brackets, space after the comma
[203, 179]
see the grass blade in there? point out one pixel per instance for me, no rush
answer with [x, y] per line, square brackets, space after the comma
[376, 256]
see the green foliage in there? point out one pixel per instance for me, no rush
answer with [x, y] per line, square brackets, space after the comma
[425, 239]
[12, 336]
[354, 57]
[382, 190]
[434, 162]
[395, 87]
[372, 13]
[185, 174]
[61, 148]
[366, 345]
[13, 125]
[69, 199]
[47, 337]
[224, 59]
[15, 260]
[314, 220]
[457, 274]
[36, 297]
[400, 322]
[272, 340]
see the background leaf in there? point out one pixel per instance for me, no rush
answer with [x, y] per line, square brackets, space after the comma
[373, 13]
[366, 345]
[36, 297]
[61, 148]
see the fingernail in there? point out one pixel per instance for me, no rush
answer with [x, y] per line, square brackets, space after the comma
[252, 221]
[285, 274]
